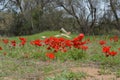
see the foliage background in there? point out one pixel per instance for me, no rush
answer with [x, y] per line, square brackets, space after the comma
[24, 17]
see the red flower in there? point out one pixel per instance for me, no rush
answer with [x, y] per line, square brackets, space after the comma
[50, 55]
[115, 39]
[68, 43]
[81, 36]
[102, 42]
[36, 42]
[1, 48]
[106, 49]
[111, 39]
[107, 55]
[119, 49]
[5, 41]
[64, 50]
[112, 53]
[23, 41]
[13, 43]
[48, 48]
[84, 47]
[88, 40]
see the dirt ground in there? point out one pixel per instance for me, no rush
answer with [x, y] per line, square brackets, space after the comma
[93, 74]
[92, 71]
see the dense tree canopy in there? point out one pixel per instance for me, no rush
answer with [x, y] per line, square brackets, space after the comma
[19, 17]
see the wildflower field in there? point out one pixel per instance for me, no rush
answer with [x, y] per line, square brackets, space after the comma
[59, 58]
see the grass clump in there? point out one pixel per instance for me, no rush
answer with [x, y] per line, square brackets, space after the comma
[68, 75]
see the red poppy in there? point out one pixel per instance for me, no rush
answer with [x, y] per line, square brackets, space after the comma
[88, 40]
[1, 48]
[36, 42]
[13, 43]
[5, 41]
[48, 48]
[68, 43]
[77, 42]
[23, 41]
[84, 47]
[119, 49]
[102, 42]
[64, 50]
[81, 36]
[112, 53]
[50, 55]
[111, 39]
[115, 38]
[106, 49]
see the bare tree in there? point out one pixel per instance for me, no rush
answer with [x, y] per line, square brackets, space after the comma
[114, 10]
[83, 11]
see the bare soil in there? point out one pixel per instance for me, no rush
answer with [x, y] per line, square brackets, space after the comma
[92, 70]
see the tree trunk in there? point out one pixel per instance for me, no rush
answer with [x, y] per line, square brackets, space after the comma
[112, 5]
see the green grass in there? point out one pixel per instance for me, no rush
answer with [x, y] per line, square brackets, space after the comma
[33, 51]
[118, 73]
[22, 61]
[39, 35]
[68, 75]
